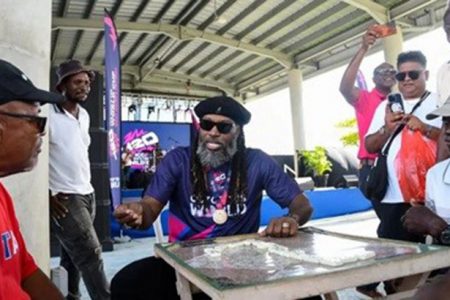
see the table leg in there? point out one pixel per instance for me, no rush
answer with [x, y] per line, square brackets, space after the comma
[183, 287]
[411, 282]
[406, 287]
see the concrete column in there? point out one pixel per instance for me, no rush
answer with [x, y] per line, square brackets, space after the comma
[393, 46]
[138, 113]
[295, 79]
[25, 29]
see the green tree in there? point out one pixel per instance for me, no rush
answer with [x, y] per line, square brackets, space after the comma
[350, 138]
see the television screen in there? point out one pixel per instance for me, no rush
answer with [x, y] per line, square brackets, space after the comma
[144, 144]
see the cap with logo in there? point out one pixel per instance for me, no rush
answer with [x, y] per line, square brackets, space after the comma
[443, 111]
[16, 86]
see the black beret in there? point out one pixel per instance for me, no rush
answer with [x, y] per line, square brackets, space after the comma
[224, 106]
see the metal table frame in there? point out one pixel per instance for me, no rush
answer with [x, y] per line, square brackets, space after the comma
[418, 265]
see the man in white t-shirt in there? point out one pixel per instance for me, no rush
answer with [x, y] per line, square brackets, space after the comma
[72, 200]
[434, 218]
[411, 77]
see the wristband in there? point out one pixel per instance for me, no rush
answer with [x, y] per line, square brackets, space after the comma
[293, 216]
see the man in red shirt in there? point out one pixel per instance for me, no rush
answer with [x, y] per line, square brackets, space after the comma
[21, 132]
[365, 102]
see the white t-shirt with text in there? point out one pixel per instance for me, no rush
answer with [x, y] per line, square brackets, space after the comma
[393, 194]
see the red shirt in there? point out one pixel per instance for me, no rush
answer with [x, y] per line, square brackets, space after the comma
[16, 263]
[365, 108]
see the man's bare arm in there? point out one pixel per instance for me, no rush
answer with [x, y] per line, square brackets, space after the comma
[347, 86]
[39, 287]
[375, 141]
[301, 208]
[442, 151]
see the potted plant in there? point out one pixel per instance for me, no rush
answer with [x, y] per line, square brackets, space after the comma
[316, 163]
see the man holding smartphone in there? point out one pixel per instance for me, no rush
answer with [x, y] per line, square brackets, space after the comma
[365, 102]
[411, 79]
[412, 76]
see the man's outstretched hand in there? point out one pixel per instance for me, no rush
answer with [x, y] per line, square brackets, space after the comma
[130, 214]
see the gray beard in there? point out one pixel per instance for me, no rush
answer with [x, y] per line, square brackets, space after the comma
[217, 158]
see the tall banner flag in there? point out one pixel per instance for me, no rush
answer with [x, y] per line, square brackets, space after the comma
[112, 106]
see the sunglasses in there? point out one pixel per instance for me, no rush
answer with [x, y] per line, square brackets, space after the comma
[38, 121]
[386, 72]
[400, 76]
[222, 127]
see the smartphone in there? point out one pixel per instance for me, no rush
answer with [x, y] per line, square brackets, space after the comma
[386, 29]
[396, 103]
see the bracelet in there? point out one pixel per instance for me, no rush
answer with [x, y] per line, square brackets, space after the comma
[293, 216]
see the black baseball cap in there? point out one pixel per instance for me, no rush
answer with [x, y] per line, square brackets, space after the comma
[224, 106]
[16, 86]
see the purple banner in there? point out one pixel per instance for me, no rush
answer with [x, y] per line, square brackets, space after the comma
[112, 105]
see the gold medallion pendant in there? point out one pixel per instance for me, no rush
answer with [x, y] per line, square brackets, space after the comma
[220, 216]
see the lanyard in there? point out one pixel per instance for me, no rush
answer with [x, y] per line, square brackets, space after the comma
[217, 187]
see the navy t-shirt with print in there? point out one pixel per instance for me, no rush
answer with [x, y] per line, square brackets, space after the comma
[172, 182]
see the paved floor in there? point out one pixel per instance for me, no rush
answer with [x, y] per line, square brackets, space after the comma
[363, 224]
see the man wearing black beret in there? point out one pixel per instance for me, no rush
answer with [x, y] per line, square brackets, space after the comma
[215, 189]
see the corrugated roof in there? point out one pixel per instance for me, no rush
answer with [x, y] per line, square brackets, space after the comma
[238, 47]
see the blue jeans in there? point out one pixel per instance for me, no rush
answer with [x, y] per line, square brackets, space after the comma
[77, 236]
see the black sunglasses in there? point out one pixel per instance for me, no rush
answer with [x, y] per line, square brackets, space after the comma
[400, 76]
[385, 71]
[38, 121]
[222, 127]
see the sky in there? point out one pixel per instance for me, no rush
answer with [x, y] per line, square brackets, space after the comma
[270, 128]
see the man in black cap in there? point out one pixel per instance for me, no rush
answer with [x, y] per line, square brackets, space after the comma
[21, 132]
[215, 189]
[72, 201]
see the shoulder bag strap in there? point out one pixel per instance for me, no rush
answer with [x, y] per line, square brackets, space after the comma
[400, 127]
